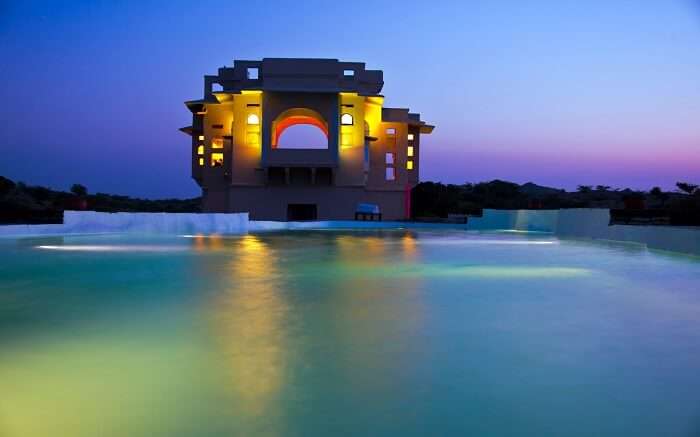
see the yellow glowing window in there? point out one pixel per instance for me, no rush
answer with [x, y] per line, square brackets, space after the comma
[346, 119]
[200, 150]
[410, 150]
[251, 138]
[201, 162]
[253, 119]
[217, 159]
[346, 139]
[217, 143]
[201, 138]
[410, 137]
[409, 165]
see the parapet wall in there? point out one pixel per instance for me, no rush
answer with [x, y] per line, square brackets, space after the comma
[92, 222]
[565, 223]
[589, 224]
[165, 223]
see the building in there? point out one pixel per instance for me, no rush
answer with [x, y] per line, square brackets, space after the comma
[372, 155]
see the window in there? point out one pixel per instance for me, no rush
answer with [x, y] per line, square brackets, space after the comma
[252, 73]
[216, 87]
[217, 159]
[389, 158]
[200, 150]
[391, 131]
[201, 138]
[252, 138]
[217, 143]
[253, 119]
[409, 165]
[390, 174]
[349, 73]
[410, 151]
[410, 137]
[346, 119]
[201, 162]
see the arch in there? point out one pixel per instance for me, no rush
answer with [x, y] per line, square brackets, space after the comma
[346, 119]
[295, 116]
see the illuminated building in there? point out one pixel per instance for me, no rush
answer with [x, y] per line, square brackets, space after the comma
[371, 155]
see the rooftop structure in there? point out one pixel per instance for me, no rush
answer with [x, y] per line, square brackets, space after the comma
[371, 154]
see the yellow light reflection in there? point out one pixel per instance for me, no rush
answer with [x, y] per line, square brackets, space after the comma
[251, 317]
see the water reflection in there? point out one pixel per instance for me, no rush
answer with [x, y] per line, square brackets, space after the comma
[375, 315]
[251, 315]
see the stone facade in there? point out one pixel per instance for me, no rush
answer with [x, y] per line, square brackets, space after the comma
[372, 154]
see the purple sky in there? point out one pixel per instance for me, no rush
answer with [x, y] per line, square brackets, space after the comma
[556, 92]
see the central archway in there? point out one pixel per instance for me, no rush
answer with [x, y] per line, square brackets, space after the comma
[297, 117]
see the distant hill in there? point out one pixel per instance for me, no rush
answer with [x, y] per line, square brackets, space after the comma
[532, 189]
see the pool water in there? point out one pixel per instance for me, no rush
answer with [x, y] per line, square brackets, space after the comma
[367, 333]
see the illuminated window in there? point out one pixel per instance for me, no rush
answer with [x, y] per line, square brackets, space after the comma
[252, 138]
[410, 137]
[390, 176]
[201, 138]
[391, 131]
[389, 158]
[217, 143]
[409, 165]
[200, 150]
[253, 119]
[252, 73]
[346, 119]
[348, 73]
[201, 162]
[410, 150]
[217, 159]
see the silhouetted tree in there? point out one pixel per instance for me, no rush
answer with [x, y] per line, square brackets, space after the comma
[659, 194]
[687, 188]
[79, 190]
[584, 188]
[602, 187]
[6, 185]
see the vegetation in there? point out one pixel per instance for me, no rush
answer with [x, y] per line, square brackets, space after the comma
[21, 203]
[432, 200]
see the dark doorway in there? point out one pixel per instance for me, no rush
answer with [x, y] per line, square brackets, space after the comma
[297, 212]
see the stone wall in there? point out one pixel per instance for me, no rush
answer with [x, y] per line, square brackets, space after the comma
[589, 224]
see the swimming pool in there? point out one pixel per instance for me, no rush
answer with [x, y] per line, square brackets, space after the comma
[319, 333]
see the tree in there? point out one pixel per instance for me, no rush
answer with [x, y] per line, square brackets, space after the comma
[687, 188]
[6, 185]
[602, 187]
[79, 190]
[584, 188]
[659, 194]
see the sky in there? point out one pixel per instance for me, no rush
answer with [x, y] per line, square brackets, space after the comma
[556, 92]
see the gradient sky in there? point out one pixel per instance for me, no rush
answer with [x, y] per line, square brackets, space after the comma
[556, 92]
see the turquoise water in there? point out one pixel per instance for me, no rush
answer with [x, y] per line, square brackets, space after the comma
[346, 333]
